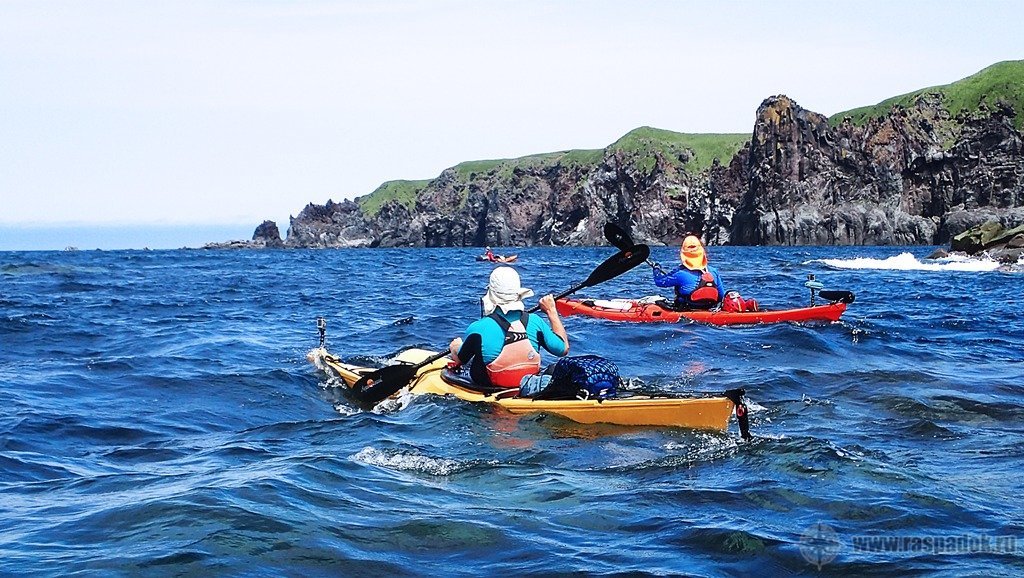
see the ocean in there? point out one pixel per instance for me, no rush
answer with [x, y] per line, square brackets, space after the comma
[162, 420]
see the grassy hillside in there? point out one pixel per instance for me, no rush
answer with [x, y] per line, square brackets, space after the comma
[641, 142]
[404, 192]
[1001, 81]
[467, 169]
[704, 147]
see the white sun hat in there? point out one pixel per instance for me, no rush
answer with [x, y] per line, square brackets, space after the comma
[506, 291]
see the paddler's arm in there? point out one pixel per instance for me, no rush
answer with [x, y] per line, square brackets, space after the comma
[547, 305]
[663, 279]
[463, 350]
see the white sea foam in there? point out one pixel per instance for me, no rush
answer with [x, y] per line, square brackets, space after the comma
[407, 462]
[345, 409]
[705, 448]
[393, 404]
[907, 262]
[753, 406]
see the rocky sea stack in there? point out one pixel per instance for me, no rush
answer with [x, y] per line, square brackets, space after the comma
[266, 236]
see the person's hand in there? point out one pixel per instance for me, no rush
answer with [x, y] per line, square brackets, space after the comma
[454, 347]
[547, 304]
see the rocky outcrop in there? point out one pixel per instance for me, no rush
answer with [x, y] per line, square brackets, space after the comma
[550, 202]
[266, 236]
[330, 225]
[893, 181]
[914, 176]
[992, 239]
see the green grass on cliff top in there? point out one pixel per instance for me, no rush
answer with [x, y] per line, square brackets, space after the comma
[705, 148]
[467, 169]
[1001, 81]
[404, 192]
[642, 142]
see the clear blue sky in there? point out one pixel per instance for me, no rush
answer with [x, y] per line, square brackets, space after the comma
[231, 112]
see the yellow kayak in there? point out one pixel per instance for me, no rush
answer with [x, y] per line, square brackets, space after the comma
[710, 413]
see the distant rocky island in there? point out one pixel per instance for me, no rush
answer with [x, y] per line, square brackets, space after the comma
[919, 168]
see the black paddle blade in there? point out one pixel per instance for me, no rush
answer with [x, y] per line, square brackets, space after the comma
[837, 296]
[612, 267]
[618, 264]
[381, 384]
[617, 237]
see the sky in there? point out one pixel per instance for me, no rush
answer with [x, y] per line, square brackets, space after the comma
[221, 114]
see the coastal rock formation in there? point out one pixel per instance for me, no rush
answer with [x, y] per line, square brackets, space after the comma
[914, 176]
[918, 168]
[549, 202]
[330, 225]
[269, 235]
[992, 239]
[266, 236]
[895, 180]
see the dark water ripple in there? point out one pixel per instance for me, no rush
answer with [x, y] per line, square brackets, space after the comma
[161, 419]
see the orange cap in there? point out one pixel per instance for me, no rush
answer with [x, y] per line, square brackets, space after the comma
[692, 254]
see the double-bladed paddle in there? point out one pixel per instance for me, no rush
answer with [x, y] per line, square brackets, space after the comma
[621, 240]
[386, 381]
[617, 237]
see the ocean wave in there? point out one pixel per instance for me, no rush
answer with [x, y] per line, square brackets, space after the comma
[410, 462]
[908, 262]
[161, 418]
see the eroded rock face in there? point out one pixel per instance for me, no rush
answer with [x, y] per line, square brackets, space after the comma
[542, 204]
[894, 180]
[330, 225]
[915, 176]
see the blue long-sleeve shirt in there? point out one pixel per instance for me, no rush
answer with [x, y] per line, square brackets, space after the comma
[684, 281]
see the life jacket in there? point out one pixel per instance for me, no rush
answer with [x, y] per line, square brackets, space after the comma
[706, 293]
[518, 357]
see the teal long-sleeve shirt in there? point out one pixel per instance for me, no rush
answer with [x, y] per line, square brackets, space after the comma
[484, 340]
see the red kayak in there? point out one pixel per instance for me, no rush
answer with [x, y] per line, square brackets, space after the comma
[651, 311]
[498, 258]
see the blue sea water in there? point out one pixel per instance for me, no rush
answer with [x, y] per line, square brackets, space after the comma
[161, 419]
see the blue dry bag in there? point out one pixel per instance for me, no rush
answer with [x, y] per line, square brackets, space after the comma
[582, 377]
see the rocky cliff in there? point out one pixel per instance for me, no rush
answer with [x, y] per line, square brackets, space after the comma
[920, 172]
[914, 176]
[554, 199]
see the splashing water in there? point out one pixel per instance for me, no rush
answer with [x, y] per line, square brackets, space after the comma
[907, 262]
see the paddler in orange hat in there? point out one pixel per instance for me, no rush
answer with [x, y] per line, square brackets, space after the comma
[697, 284]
